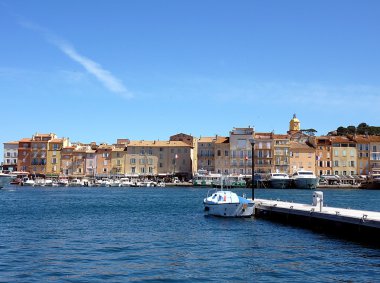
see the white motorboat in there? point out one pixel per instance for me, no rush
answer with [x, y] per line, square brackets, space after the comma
[125, 182]
[304, 179]
[227, 204]
[75, 183]
[279, 180]
[28, 183]
[62, 182]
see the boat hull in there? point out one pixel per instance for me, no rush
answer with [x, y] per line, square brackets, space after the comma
[305, 183]
[229, 209]
[375, 185]
[279, 183]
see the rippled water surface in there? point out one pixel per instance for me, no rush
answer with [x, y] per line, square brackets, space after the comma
[161, 235]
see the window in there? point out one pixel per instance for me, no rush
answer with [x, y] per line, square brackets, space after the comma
[344, 153]
[226, 153]
[374, 148]
[133, 169]
[150, 152]
[335, 152]
[336, 163]
[105, 162]
[118, 162]
[219, 152]
[54, 160]
[133, 161]
[104, 170]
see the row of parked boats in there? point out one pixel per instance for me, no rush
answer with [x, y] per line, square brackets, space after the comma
[84, 182]
[301, 179]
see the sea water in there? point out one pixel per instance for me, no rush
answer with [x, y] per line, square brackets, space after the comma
[162, 235]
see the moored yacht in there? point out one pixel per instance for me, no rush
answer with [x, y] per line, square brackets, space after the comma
[373, 182]
[279, 180]
[304, 179]
[227, 204]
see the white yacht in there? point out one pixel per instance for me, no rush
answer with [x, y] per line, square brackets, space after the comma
[227, 204]
[279, 180]
[304, 179]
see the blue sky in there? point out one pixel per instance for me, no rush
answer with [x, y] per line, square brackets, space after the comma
[102, 70]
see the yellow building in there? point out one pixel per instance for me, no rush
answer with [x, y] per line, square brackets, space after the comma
[264, 153]
[302, 156]
[159, 158]
[118, 160]
[53, 164]
[222, 155]
[344, 156]
[205, 154]
[281, 153]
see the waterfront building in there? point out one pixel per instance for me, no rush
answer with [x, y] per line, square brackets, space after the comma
[104, 160]
[281, 153]
[323, 155]
[10, 156]
[53, 160]
[264, 153]
[205, 154]
[159, 158]
[91, 160]
[363, 154]
[374, 161]
[241, 151]
[67, 164]
[39, 148]
[24, 154]
[222, 155]
[344, 156]
[118, 159]
[193, 142]
[302, 156]
[79, 160]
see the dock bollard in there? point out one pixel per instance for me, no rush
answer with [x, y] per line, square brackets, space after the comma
[318, 199]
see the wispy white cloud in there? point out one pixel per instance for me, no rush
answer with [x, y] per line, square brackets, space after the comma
[104, 76]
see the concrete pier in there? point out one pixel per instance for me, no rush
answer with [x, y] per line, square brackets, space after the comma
[355, 224]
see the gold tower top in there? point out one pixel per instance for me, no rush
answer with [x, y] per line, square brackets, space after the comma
[294, 124]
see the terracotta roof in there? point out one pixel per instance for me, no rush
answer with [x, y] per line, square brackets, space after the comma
[366, 139]
[298, 145]
[26, 140]
[340, 139]
[222, 140]
[12, 142]
[159, 143]
[206, 139]
[56, 140]
[105, 146]
[262, 136]
[280, 137]
[117, 149]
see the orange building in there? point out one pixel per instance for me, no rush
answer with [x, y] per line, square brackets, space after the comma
[104, 160]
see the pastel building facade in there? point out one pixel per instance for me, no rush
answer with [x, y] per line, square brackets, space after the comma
[264, 150]
[10, 156]
[344, 156]
[323, 155]
[241, 151]
[222, 155]
[205, 154]
[302, 156]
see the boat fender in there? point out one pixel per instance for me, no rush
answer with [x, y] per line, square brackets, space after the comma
[224, 198]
